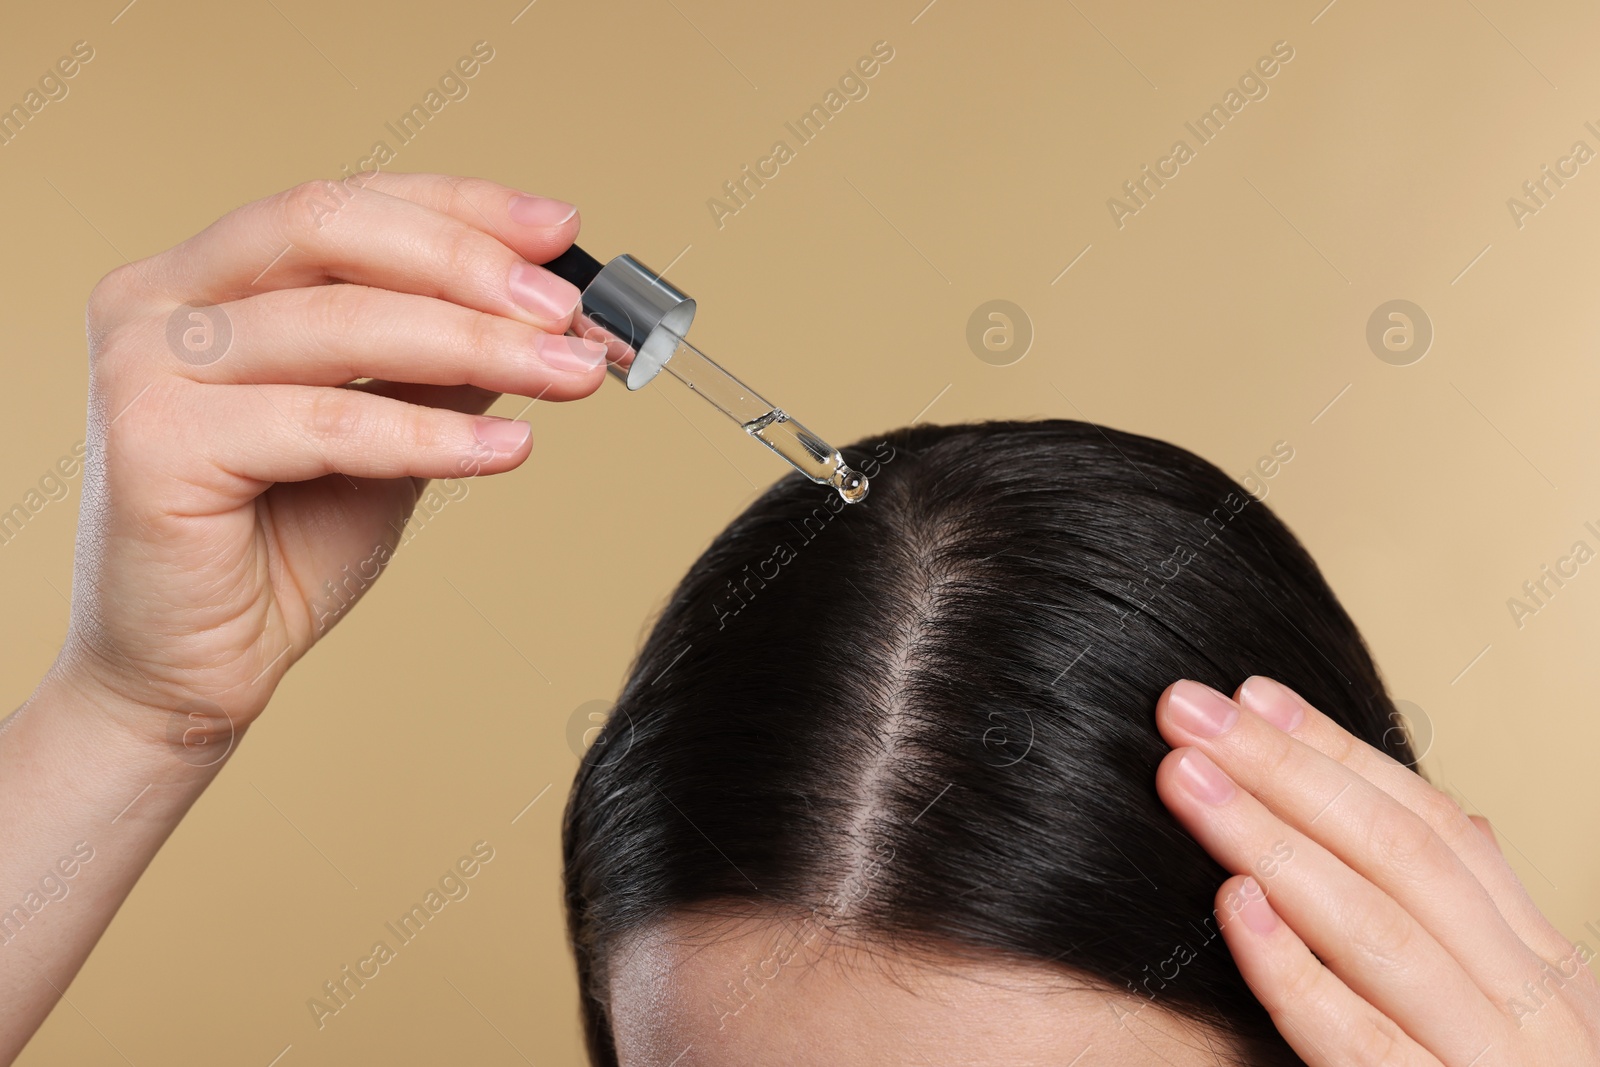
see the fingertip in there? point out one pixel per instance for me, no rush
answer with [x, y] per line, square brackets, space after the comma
[1242, 897]
[1273, 701]
[572, 355]
[503, 443]
[1163, 703]
[573, 369]
[580, 386]
[540, 212]
[1188, 783]
[1167, 780]
[1228, 894]
[542, 227]
[1203, 780]
[1194, 710]
[548, 299]
[1168, 763]
[591, 382]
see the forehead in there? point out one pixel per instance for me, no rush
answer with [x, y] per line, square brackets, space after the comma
[714, 993]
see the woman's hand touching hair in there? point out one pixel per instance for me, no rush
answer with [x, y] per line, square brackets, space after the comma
[1395, 932]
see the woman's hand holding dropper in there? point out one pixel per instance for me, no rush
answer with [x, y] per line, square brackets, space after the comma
[235, 467]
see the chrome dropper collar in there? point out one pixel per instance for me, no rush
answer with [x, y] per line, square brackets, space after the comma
[636, 313]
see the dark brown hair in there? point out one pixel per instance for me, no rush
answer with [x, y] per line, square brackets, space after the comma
[938, 705]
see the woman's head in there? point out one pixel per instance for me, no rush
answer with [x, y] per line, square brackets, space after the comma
[888, 769]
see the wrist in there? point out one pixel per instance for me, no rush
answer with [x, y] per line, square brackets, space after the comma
[190, 741]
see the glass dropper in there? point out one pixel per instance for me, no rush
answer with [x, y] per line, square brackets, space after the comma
[641, 318]
[805, 451]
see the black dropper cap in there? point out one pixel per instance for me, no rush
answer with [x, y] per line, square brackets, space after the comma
[576, 266]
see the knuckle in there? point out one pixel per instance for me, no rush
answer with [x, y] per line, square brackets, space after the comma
[338, 311]
[334, 415]
[422, 430]
[1301, 986]
[471, 189]
[1342, 746]
[447, 192]
[1278, 757]
[303, 207]
[490, 335]
[1453, 825]
[1403, 842]
[474, 195]
[112, 297]
[1383, 936]
[461, 250]
[1442, 813]
[444, 192]
[1375, 1040]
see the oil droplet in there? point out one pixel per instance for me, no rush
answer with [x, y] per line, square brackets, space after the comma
[852, 484]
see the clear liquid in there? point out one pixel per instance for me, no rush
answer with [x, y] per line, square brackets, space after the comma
[726, 393]
[808, 453]
[805, 451]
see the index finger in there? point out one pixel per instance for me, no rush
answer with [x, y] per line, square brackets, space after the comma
[473, 242]
[538, 228]
[1293, 714]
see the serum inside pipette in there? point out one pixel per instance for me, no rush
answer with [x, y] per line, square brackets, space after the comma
[804, 450]
[807, 453]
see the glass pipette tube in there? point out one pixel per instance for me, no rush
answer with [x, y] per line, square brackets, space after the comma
[804, 450]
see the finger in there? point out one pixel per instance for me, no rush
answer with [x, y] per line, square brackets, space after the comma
[1372, 833]
[538, 228]
[1323, 1021]
[464, 398]
[1286, 709]
[1359, 932]
[287, 433]
[333, 334]
[294, 239]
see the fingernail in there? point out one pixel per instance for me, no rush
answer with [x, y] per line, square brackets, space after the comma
[1203, 778]
[1201, 710]
[539, 210]
[542, 292]
[502, 435]
[1255, 911]
[1273, 701]
[571, 353]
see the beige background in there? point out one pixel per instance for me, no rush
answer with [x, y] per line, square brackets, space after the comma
[1225, 316]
